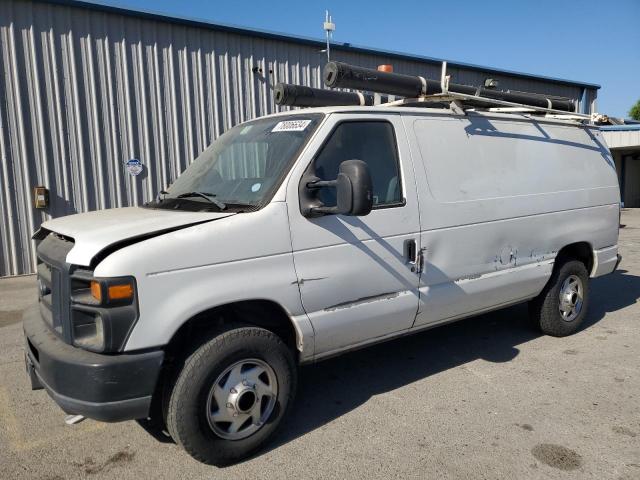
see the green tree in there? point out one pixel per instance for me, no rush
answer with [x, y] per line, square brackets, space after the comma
[635, 111]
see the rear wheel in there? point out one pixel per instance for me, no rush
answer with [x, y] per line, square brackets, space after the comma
[562, 305]
[231, 395]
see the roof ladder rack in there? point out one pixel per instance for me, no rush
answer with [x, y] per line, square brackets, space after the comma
[460, 103]
[421, 91]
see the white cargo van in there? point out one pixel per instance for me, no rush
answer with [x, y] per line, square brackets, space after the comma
[302, 235]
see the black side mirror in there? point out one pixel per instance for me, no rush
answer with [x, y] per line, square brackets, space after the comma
[354, 191]
[354, 188]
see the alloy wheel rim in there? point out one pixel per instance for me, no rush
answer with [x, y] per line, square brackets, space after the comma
[242, 399]
[571, 298]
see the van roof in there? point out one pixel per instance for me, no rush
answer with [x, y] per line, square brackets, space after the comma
[406, 110]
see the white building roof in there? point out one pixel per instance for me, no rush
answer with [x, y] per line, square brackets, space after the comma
[622, 136]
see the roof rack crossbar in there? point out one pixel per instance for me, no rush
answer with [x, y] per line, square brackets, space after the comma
[471, 101]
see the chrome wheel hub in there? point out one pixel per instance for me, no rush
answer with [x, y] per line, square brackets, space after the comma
[571, 298]
[241, 399]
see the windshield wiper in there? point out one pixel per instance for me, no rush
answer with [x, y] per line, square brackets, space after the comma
[205, 195]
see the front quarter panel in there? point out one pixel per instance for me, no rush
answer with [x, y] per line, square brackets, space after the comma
[180, 274]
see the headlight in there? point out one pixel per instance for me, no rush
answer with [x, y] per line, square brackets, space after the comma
[103, 311]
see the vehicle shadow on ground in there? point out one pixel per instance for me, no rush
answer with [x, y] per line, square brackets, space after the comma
[611, 293]
[332, 388]
[337, 386]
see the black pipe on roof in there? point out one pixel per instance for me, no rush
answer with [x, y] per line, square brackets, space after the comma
[301, 96]
[343, 75]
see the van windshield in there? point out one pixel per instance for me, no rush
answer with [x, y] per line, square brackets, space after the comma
[242, 169]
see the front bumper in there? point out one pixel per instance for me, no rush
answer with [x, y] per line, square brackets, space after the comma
[109, 388]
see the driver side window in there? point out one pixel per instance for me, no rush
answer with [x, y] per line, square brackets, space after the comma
[370, 141]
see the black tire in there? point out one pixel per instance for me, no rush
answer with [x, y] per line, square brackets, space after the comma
[186, 410]
[544, 309]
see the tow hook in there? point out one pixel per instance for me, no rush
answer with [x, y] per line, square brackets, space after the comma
[73, 419]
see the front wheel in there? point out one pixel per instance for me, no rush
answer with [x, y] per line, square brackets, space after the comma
[231, 395]
[562, 305]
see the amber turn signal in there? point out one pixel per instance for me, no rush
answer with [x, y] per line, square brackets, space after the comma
[96, 291]
[120, 292]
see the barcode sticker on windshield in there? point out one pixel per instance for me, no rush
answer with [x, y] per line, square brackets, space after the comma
[291, 126]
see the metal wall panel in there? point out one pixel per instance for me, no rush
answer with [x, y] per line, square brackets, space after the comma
[622, 139]
[83, 90]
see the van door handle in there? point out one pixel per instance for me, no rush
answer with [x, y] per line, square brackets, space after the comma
[411, 252]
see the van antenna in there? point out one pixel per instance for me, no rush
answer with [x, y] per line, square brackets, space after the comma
[329, 28]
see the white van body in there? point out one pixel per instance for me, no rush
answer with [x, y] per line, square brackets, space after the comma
[465, 214]
[490, 199]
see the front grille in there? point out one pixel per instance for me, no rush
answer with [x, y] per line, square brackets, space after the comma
[53, 283]
[50, 306]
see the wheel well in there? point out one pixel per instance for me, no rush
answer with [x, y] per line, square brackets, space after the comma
[580, 251]
[200, 328]
[261, 313]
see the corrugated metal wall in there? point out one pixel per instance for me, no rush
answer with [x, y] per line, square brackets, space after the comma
[83, 90]
[622, 138]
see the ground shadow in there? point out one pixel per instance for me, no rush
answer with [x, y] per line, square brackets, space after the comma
[611, 293]
[332, 388]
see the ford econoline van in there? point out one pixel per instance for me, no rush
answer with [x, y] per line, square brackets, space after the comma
[302, 235]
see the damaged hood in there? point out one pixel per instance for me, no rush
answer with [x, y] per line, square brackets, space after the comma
[94, 231]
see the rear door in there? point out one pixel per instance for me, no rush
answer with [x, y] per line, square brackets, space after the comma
[356, 276]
